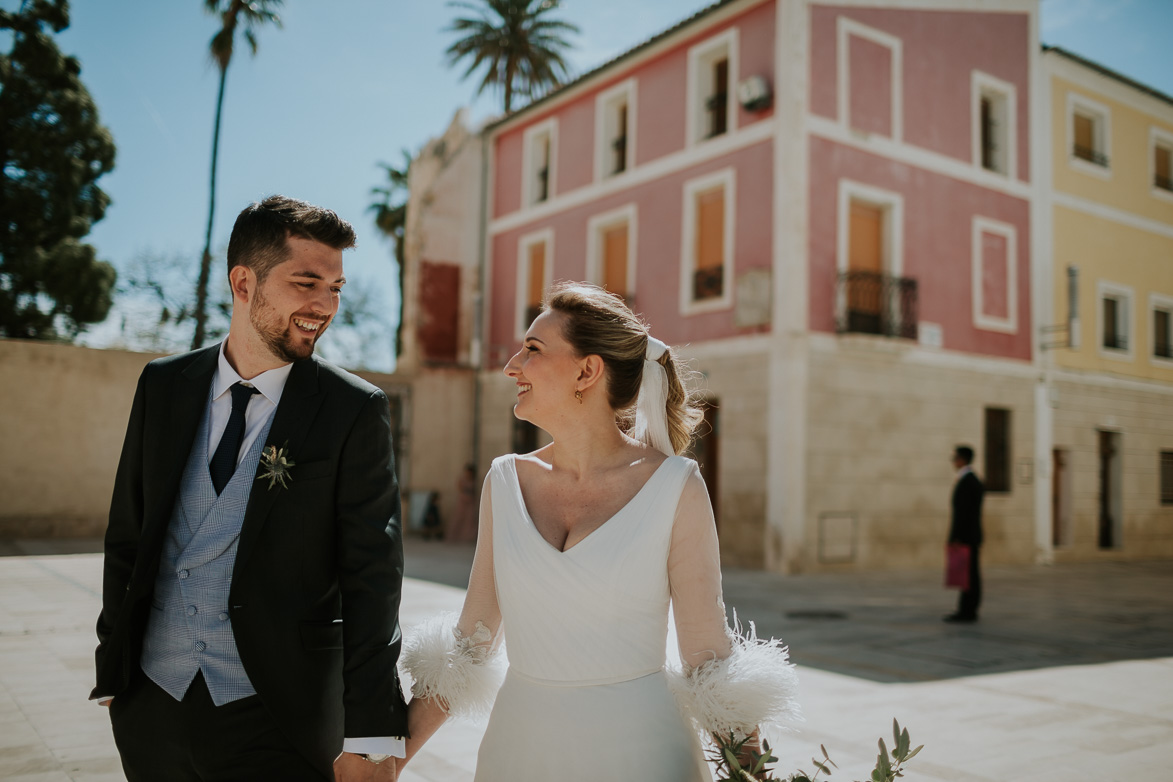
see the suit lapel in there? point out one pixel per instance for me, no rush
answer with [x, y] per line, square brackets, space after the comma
[291, 423]
[186, 402]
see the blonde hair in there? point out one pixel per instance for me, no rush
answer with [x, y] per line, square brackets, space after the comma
[600, 323]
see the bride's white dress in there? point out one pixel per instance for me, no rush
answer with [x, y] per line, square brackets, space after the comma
[586, 697]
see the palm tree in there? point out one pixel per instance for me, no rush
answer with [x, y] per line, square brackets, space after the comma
[390, 208]
[522, 47]
[253, 14]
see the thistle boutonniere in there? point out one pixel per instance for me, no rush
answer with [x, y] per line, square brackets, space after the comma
[276, 464]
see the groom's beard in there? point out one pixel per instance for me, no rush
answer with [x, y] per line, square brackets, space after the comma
[277, 334]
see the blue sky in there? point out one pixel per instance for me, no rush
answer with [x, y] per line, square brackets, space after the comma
[347, 83]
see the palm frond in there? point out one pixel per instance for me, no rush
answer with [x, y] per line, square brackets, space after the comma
[517, 44]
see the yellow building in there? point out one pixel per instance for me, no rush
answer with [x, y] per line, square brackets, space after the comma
[1110, 375]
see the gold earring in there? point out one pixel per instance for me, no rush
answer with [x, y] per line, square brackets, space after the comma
[578, 396]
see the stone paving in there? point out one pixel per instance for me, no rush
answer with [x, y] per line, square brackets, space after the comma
[1069, 675]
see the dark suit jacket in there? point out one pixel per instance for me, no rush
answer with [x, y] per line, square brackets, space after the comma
[315, 593]
[967, 511]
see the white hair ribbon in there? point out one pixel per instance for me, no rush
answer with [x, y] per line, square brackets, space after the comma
[651, 408]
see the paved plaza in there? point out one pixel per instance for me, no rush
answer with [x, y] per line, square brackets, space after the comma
[1069, 674]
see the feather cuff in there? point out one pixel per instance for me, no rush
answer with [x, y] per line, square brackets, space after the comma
[754, 687]
[464, 674]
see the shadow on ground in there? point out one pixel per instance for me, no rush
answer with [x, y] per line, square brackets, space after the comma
[886, 627]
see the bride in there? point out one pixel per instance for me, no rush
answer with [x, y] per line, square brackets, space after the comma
[582, 546]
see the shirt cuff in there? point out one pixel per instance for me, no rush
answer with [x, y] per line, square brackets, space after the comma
[391, 745]
[102, 700]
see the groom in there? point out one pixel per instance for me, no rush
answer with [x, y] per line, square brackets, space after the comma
[249, 626]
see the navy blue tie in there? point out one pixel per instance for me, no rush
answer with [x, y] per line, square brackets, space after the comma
[223, 462]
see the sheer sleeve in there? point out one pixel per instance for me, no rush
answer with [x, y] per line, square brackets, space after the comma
[730, 682]
[694, 574]
[454, 660]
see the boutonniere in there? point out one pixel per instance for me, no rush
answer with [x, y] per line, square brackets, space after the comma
[276, 465]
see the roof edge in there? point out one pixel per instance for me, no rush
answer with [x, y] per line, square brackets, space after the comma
[1106, 71]
[632, 52]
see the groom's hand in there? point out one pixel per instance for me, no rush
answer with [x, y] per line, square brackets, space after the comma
[352, 768]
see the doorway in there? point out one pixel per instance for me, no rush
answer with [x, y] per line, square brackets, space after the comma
[706, 451]
[1111, 498]
[1060, 497]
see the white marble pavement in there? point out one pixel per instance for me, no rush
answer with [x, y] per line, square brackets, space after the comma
[1112, 721]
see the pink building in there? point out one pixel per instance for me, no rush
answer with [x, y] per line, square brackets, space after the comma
[829, 208]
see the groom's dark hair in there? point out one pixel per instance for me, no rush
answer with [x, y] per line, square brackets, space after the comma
[258, 238]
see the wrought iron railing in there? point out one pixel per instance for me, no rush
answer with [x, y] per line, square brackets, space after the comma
[1115, 341]
[708, 283]
[1090, 155]
[874, 303]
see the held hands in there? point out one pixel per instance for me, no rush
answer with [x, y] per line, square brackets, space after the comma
[349, 767]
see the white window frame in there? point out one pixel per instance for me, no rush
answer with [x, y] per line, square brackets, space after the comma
[1009, 324]
[605, 103]
[726, 178]
[844, 29]
[893, 250]
[1105, 289]
[701, 56]
[528, 170]
[1159, 301]
[596, 226]
[1158, 137]
[1006, 94]
[1101, 134]
[524, 243]
[893, 205]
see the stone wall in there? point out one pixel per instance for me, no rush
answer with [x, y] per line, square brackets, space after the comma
[62, 422]
[63, 415]
[1143, 419]
[879, 440]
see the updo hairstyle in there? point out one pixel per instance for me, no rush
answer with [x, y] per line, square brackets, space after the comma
[600, 323]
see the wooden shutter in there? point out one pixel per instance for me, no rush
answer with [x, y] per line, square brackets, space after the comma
[1163, 170]
[615, 259]
[866, 243]
[710, 241]
[1085, 143]
[710, 244]
[1161, 346]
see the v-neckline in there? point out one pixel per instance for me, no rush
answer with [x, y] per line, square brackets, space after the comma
[530, 520]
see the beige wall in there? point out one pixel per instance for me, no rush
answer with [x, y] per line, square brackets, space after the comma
[62, 421]
[63, 414]
[881, 429]
[1144, 419]
[438, 430]
[738, 385]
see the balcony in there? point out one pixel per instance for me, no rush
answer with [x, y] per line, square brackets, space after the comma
[874, 303]
[1090, 155]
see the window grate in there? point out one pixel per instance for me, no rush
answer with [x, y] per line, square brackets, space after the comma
[1167, 477]
[1090, 155]
[874, 303]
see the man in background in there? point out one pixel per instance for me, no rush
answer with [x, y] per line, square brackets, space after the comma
[966, 529]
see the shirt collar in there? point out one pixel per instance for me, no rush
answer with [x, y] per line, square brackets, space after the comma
[966, 470]
[271, 383]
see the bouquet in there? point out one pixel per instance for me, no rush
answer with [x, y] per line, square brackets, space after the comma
[738, 761]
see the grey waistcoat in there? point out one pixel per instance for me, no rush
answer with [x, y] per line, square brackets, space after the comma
[189, 629]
